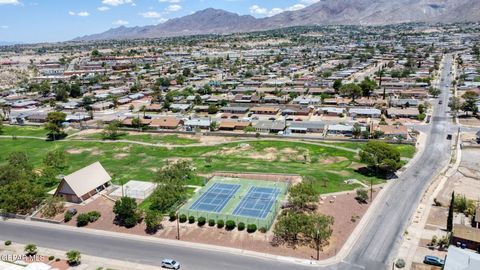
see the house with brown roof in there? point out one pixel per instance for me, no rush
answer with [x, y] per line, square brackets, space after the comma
[466, 236]
[233, 125]
[166, 123]
[265, 110]
[84, 183]
[393, 131]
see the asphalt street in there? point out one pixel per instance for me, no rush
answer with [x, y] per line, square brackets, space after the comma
[374, 249]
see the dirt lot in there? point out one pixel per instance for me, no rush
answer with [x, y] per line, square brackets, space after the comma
[471, 121]
[466, 180]
[344, 208]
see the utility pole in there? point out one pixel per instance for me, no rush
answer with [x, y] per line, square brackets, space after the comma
[178, 229]
[318, 245]
[371, 190]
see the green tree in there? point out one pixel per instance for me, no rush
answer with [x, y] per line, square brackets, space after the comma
[302, 196]
[54, 125]
[433, 91]
[368, 86]
[45, 88]
[111, 131]
[362, 195]
[56, 159]
[126, 212]
[289, 227]
[318, 230]
[470, 103]
[212, 109]
[337, 84]
[450, 213]
[75, 90]
[455, 105]
[356, 130]
[352, 90]
[152, 221]
[381, 157]
[73, 257]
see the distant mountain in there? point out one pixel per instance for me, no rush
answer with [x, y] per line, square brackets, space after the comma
[8, 43]
[324, 12]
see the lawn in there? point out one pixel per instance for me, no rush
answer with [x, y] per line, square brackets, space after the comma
[24, 131]
[125, 161]
[150, 138]
[406, 151]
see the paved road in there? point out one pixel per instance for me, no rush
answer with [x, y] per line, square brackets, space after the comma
[373, 250]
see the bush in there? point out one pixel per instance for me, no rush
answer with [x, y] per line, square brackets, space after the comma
[262, 230]
[8, 243]
[220, 223]
[182, 218]
[400, 263]
[201, 221]
[31, 249]
[251, 228]
[211, 222]
[94, 216]
[73, 257]
[83, 219]
[51, 258]
[130, 222]
[68, 216]
[191, 219]
[230, 225]
[241, 226]
[362, 195]
[173, 216]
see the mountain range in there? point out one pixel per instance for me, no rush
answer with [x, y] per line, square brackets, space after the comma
[323, 12]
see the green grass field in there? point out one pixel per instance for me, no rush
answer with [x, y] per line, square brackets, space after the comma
[150, 138]
[227, 212]
[24, 131]
[127, 161]
[406, 151]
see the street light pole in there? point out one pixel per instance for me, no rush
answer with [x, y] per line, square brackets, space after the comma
[318, 245]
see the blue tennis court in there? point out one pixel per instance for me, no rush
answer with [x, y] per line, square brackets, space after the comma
[215, 198]
[257, 203]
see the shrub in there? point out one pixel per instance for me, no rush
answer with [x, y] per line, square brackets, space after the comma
[191, 219]
[8, 243]
[262, 229]
[94, 216]
[251, 228]
[182, 218]
[173, 216]
[73, 257]
[51, 258]
[201, 221]
[211, 222]
[230, 225]
[220, 223]
[130, 222]
[83, 219]
[362, 195]
[68, 216]
[241, 226]
[31, 249]
[400, 263]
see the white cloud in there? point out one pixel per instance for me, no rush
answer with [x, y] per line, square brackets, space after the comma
[173, 8]
[309, 2]
[116, 2]
[120, 22]
[103, 8]
[9, 2]
[81, 13]
[150, 14]
[169, 1]
[4, 26]
[257, 10]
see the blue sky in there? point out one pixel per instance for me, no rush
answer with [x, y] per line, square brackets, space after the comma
[60, 20]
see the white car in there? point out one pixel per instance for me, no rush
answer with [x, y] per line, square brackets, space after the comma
[170, 264]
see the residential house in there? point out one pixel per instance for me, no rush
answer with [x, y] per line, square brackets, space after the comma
[461, 259]
[84, 183]
[233, 125]
[269, 126]
[166, 123]
[365, 112]
[410, 112]
[265, 110]
[466, 236]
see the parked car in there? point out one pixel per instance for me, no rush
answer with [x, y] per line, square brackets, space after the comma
[433, 260]
[170, 264]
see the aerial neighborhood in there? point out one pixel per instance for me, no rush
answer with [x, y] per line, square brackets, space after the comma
[229, 143]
